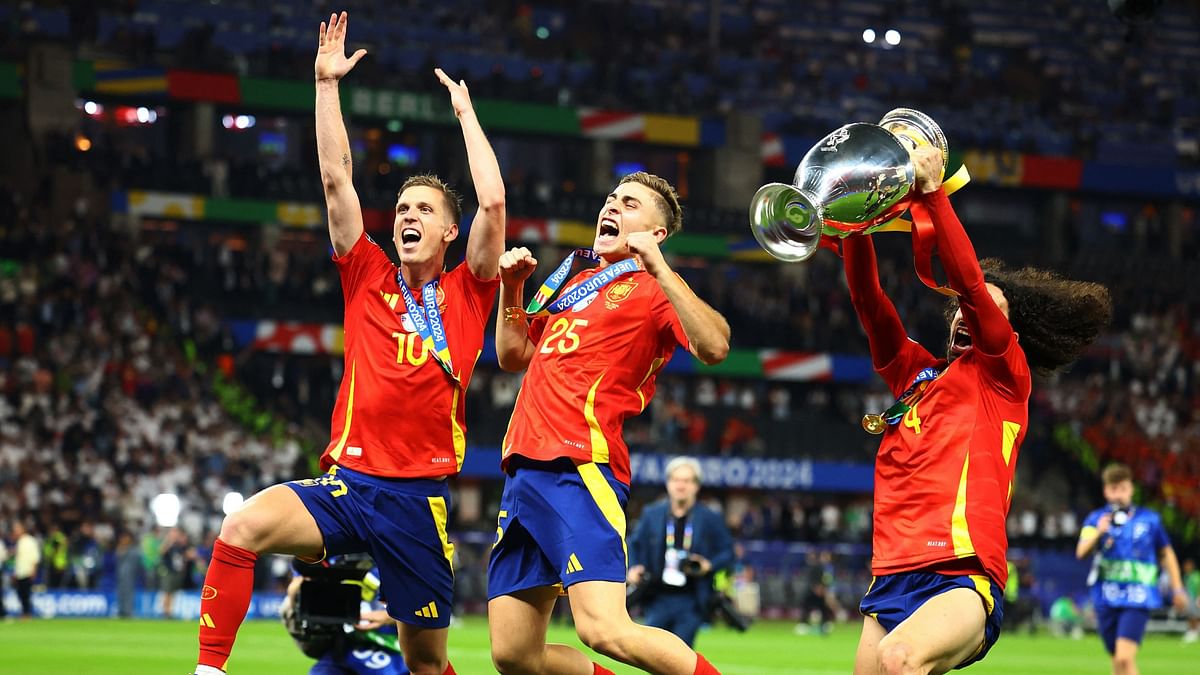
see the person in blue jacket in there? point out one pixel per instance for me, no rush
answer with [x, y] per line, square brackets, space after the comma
[676, 548]
[1130, 549]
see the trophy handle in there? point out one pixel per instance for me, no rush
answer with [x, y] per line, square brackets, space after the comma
[786, 221]
[913, 128]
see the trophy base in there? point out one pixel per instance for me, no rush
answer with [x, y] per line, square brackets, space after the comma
[786, 222]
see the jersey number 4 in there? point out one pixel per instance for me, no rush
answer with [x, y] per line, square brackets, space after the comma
[563, 336]
[912, 420]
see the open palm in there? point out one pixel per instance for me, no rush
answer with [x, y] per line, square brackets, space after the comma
[460, 97]
[331, 63]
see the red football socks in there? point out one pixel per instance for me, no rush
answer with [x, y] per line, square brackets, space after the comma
[449, 669]
[600, 670]
[703, 667]
[224, 601]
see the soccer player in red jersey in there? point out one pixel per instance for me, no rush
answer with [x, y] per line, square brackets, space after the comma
[590, 365]
[945, 465]
[412, 336]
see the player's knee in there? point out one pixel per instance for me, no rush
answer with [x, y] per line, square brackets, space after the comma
[1123, 663]
[510, 659]
[896, 658]
[244, 529]
[605, 636]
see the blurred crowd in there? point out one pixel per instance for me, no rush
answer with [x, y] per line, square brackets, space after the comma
[1074, 80]
[101, 408]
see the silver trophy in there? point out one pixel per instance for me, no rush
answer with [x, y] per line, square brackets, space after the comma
[856, 180]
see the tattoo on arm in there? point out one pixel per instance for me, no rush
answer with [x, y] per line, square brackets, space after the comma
[345, 159]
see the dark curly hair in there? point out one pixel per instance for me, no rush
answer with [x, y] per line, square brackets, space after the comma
[1055, 318]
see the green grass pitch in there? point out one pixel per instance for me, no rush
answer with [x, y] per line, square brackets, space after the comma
[104, 647]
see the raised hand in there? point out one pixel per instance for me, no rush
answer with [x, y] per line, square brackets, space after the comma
[645, 246]
[331, 62]
[927, 160]
[460, 97]
[516, 266]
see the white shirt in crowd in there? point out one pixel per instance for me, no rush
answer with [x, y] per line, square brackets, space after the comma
[27, 557]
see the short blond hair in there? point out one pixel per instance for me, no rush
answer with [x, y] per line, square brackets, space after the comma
[1116, 473]
[453, 200]
[668, 204]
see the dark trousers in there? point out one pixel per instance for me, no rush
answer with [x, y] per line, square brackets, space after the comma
[25, 595]
[676, 613]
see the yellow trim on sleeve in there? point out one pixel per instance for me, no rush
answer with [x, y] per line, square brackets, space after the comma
[456, 430]
[1087, 532]
[437, 507]
[1011, 429]
[653, 366]
[599, 442]
[336, 453]
[960, 534]
[606, 499]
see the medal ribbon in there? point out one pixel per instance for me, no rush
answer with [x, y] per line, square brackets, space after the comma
[687, 534]
[537, 306]
[428, 322]
[904, 403]
[923, 234]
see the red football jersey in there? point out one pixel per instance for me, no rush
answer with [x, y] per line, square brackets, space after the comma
[398, 412]
[595, 365]
[943, 475]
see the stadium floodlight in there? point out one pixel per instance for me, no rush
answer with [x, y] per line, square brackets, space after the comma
[232, 502]
[166, 509]
[869, 35]
[892, 37]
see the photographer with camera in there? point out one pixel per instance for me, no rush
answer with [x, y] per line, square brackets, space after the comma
[1131, 548]
[674, 551]
[336, 615]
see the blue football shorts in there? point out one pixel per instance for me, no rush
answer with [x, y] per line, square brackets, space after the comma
[401, 522]
[894, 597]
[559, 523]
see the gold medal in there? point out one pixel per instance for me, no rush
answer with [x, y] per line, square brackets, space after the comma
[873, 424]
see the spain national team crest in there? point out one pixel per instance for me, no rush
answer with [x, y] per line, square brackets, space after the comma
[618, 292]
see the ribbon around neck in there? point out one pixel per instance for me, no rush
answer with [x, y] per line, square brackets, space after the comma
[428, 322]
[538, 305]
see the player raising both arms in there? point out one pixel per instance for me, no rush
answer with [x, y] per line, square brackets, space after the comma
[592, 363]
[945, 465]
[413, 334]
